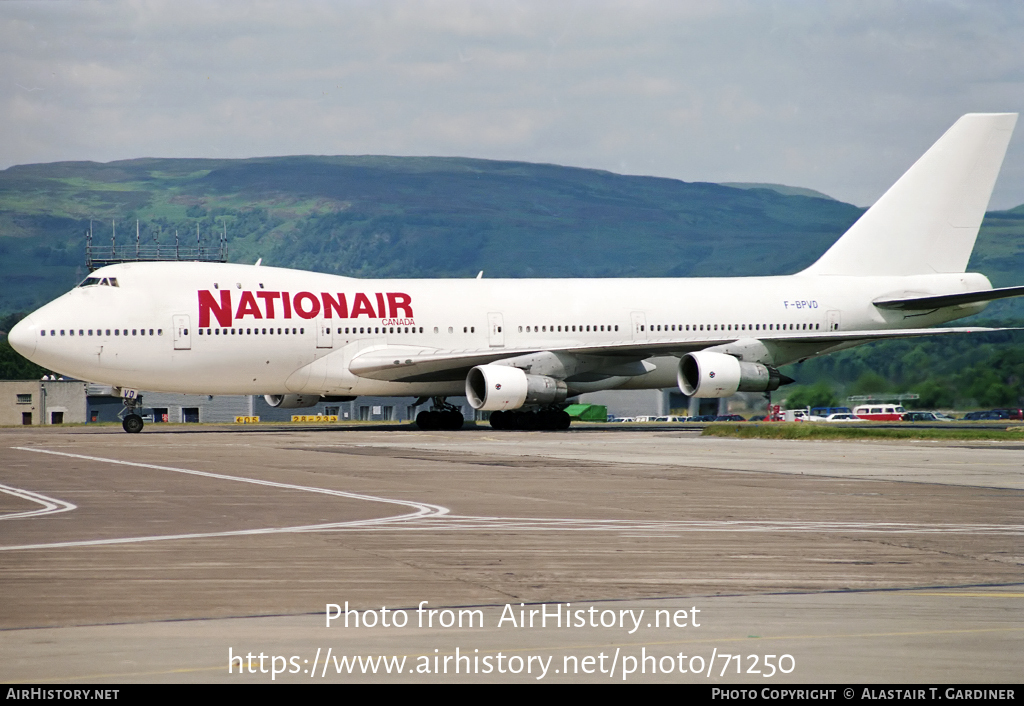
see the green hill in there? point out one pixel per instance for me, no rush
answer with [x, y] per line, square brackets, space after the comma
[780, 188]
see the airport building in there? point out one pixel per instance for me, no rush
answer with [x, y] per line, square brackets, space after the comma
[159, 407]
[361, 409]
[34, 402]
[30, 402]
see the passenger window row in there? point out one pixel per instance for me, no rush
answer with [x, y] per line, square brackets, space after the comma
[736, 327]
[569, 329]
[378, 329]
[100, 332]
[249, 331]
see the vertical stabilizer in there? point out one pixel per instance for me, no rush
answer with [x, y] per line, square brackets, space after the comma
[928, 221]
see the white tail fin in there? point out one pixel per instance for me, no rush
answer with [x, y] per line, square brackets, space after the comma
[928, 221]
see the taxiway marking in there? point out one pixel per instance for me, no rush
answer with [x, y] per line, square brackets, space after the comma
[50, 505]
[421, 509]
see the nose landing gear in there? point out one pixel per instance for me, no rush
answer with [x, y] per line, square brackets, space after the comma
[131, 422]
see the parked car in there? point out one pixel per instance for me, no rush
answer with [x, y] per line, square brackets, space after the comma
[729, 418]
[843, 417]
[994, 414]
[926, 417]
[826, 412]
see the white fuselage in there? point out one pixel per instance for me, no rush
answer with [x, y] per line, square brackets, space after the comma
[238, 329]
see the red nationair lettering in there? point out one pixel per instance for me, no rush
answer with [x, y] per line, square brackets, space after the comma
[207, 304]
[396, 301]
[362, 306]
[314, 305]
[248, 307]
[397, 306]
[339, 306]
[268, 301]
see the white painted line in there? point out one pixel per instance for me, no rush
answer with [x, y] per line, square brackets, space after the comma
[469, 523]
[50, 505]
[422, 510]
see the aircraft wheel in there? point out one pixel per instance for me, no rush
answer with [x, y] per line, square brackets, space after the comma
[528, 421]
[564, 421]
[546, 420]
[425, 420]
[453, 421]
[132, 424]
[498, 419]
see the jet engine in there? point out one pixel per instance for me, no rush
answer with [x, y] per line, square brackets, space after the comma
[292, 401]
[494, 387]
[709, 374]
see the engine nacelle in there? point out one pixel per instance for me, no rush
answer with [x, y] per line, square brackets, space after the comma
[495, 387]
[708, 374]
[292, 401]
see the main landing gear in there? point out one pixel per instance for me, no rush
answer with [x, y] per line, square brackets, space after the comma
[443, 417]
[544, 419]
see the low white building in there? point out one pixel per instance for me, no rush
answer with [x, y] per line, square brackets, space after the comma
[31, 402]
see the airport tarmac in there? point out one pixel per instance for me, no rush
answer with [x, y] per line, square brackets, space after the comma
[156, 557]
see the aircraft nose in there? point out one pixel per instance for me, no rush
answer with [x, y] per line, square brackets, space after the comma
[23, 337]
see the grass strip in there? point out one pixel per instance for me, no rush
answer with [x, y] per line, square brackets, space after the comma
[803, 430]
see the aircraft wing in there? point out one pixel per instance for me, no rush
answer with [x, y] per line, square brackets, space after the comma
[418, 364]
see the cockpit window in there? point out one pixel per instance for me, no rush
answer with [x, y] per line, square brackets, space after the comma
[104, 282]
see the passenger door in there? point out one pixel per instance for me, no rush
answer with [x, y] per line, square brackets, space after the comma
[834, 320]
[639, 320]
[182, 332]
[496, 330]
[324, 334]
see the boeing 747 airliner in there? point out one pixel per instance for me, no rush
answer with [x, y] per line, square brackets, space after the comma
[521, 348]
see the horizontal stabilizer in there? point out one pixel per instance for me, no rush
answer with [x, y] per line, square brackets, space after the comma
[937, 302]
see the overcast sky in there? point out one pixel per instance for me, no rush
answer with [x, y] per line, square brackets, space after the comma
[836, 96]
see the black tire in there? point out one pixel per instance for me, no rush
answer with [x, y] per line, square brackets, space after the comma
[555, 420]
[425, 420]
[527, 421]
[498, 420]
[564, 421]
[132, 424]
[453, 421]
